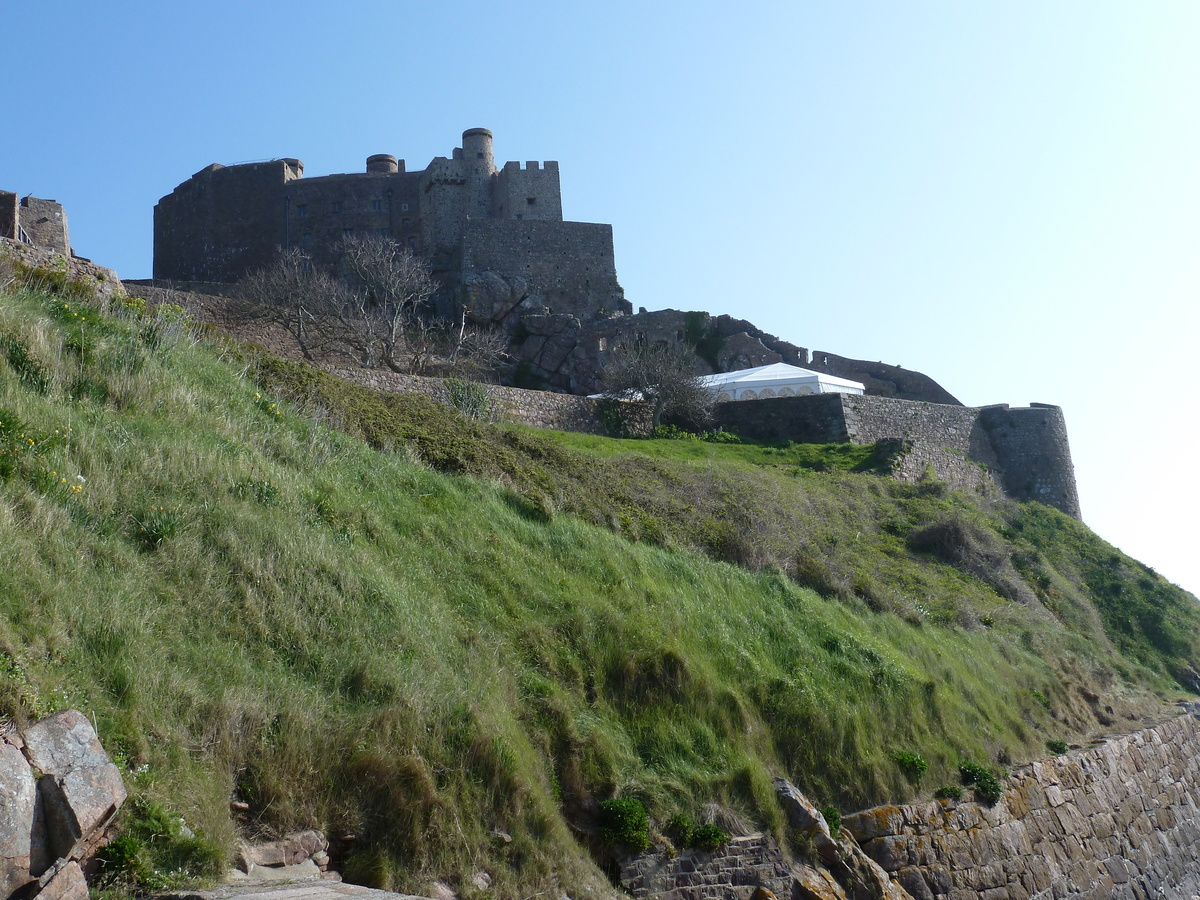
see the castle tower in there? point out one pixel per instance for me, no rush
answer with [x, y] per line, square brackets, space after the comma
[477, 153]
[383, 163]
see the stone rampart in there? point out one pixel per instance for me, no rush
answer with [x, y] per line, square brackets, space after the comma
[1023, 451]
[1119, 820]
[539, 409]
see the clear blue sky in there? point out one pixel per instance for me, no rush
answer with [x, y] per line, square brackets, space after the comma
[1003, 195]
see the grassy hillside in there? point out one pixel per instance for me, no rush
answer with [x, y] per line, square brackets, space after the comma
[369, 614]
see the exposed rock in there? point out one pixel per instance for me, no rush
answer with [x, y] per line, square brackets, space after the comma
[439, 890]
[743, 351]
[81, 788]
[291, 850]
[67, 883]
[58, 791]
[18, 800]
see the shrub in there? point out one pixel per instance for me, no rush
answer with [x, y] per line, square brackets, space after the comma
[948, 792]
[624, 823]
[720, 437]
[833, 819]
[913, 765]
[679, 829]
[671, 433]
[709, 837]
[154, 525]
[1057, 747]
[987, 788]
[29, 369]
[469, 397]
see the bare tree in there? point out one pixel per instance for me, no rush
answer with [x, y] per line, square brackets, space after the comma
[373, 311]
[298, 296]
[390, 286]
[664, 377]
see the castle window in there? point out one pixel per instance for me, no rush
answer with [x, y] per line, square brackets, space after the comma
[479, 156]
[412, 243]
[407, 223]
[403, 207]
[385, 232]
[601, 344]
[302, 210]
[306, 240]
[531, 201]
[376, 206]
[336, 206]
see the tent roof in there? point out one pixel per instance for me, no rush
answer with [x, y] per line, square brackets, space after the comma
[776, 373]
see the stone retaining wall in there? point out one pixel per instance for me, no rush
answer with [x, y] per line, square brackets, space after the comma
[1119, 820]
[539, 409]
[724, 874]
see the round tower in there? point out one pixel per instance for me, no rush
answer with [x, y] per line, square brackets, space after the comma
[382, 162]
[477, 151]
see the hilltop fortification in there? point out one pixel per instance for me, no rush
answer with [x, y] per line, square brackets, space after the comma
[496, 240]
[475, 223]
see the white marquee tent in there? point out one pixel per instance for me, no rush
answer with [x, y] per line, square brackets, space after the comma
[777, 380]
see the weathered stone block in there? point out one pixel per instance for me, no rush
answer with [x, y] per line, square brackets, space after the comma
[81, 788]
[18, 801]
[67, 883]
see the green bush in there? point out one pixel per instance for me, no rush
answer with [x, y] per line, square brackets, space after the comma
[29, 369]
[624, 823]
[469, 397]
[1057, 747]
[913, 765]
[709, 837]
[679, 829]
[948, 792]
[987, 788]
[720, 437]
[671, 433]
[833, 819]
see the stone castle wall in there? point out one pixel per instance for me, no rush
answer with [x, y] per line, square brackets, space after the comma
[568, 265]
[1022, 451]
[33, 221]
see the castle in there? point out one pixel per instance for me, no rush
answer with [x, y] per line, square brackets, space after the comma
[476, 224]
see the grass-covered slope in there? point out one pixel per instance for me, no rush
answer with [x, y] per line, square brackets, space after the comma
[371, 615]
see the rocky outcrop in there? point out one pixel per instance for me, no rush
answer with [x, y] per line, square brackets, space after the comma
[58, 793]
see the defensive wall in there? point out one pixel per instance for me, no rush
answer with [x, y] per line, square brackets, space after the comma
[1119, 820]
[35, 222]
[1024, 451]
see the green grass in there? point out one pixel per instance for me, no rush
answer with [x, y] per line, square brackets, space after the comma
[369, 614]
